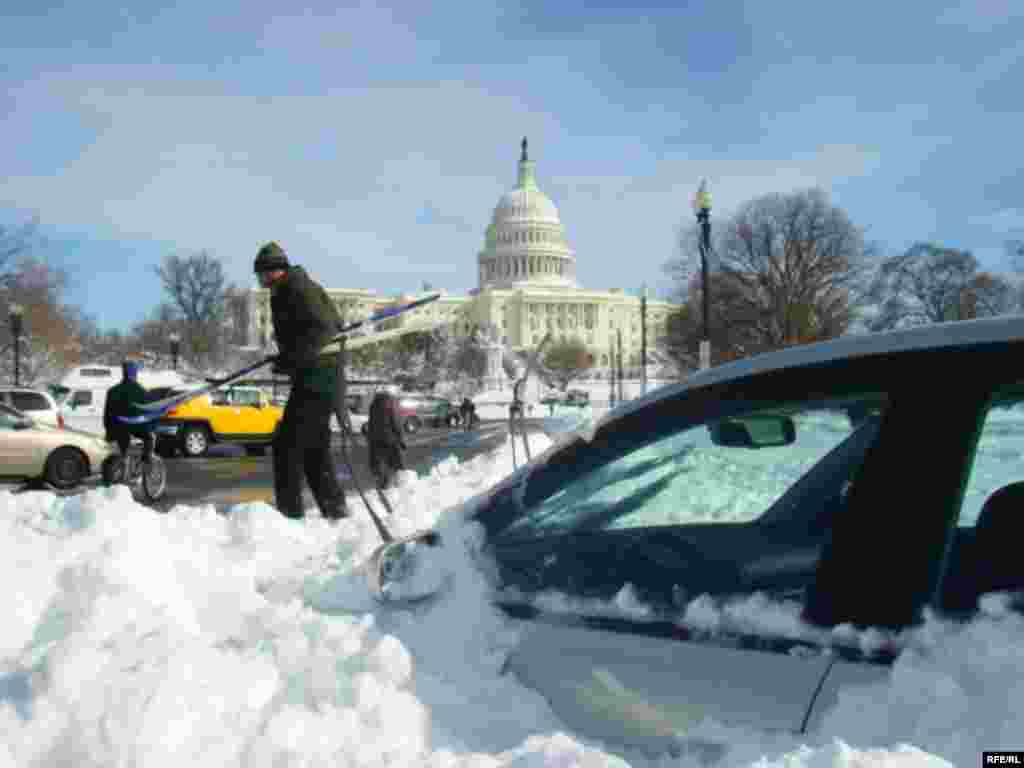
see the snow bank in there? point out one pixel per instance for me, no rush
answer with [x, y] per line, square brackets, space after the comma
[132, 638]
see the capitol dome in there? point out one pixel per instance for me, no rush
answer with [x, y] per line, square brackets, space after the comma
[525, 203]
[524, 243]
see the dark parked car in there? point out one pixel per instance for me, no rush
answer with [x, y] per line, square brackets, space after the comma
[854, 482]
[418, 409]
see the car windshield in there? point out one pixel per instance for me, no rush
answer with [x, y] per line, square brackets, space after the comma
[689, 476]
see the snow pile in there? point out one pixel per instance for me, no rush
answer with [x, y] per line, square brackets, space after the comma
[132, 638]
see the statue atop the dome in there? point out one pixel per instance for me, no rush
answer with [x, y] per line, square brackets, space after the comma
[524, 158]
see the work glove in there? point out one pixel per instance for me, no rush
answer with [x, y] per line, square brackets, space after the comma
[281, 366]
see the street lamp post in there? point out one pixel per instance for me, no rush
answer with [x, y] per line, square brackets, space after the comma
[16, 311]
[702, 207]
[643, 341]
[618, 334]
[611, 373]
[175, 340]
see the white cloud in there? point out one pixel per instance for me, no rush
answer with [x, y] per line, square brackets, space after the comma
[982, 14]
[340, 175]
[1007, 221]
[635, 219]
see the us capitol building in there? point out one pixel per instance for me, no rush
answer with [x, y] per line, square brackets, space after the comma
[527, 284]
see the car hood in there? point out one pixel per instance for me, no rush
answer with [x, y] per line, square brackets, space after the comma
[71, 430]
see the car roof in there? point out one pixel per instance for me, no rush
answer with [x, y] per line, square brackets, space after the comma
[950, 335]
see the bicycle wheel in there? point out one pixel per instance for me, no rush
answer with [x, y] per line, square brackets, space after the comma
[154, 478]
[113, 470]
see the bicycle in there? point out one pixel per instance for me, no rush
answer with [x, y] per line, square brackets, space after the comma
[153, 481]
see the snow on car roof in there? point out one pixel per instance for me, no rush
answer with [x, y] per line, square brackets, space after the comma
[963, 333]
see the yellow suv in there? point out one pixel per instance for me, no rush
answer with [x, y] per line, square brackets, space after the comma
[240, 415]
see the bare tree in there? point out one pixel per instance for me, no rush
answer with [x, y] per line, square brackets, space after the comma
[931, 283]
[198, 291]
[236, 309]
[470, 360]
[408, 355]
[729, 340]
[567, 360]
[47, 344]
[989, 295]
[14, 245]
[1015, 255]
[152, 334]
[790, 269]
[94, 345]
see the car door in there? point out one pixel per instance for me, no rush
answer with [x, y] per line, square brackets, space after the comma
[612, 542]
[20, 449]
[224, 413]
[250, 418]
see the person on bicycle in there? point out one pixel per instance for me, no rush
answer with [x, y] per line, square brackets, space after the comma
[121, 401]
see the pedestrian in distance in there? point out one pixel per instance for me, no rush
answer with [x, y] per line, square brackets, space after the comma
[468, 413]
[384, 433]
[121, 401]
[305, 323]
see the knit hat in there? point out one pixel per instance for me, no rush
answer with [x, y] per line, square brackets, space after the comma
[270, 257]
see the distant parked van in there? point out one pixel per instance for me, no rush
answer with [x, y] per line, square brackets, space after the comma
[84, 388]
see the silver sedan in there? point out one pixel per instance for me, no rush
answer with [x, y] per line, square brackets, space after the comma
[35, 451]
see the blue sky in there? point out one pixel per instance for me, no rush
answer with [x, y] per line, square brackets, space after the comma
[373, 141]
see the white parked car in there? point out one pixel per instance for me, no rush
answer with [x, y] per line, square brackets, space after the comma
[36, 403]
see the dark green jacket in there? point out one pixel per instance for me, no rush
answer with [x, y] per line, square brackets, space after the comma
[120, 401]
[305, 321]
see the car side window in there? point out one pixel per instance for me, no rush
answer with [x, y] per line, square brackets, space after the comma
[998, 457]
[982, 557]
[81, 397]
[246, 398]
[30, 401]
[725, 470]
[219, 398]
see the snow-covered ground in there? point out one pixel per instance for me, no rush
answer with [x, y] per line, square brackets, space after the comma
[493, 404]
[133, 638]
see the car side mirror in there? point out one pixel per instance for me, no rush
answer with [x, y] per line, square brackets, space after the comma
[754, 432]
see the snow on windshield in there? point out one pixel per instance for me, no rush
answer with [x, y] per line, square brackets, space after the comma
[133, 638]
[686, 478]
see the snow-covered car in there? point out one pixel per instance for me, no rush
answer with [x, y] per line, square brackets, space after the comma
[35, 450]
[748, 543]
